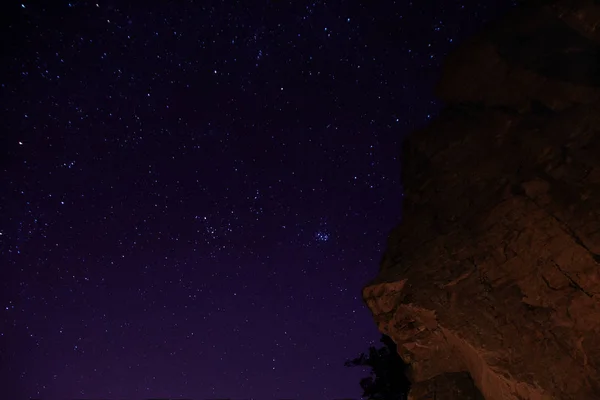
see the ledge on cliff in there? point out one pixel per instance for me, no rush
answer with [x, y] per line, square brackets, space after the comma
[495, 269]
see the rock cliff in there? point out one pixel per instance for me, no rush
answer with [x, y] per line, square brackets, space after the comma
[494, 273]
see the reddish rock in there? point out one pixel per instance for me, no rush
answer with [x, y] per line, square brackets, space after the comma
[494, 272]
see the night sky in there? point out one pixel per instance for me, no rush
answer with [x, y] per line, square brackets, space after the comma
[193, 194]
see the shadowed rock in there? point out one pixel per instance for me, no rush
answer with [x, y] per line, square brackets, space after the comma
[495, 269]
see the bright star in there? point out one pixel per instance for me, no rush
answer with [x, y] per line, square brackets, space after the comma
[322, 236]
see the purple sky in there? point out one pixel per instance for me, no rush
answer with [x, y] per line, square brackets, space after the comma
[192, 195]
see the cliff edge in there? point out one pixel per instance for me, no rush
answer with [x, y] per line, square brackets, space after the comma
[494, 273]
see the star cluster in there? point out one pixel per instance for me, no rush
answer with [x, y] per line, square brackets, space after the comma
[194, 193]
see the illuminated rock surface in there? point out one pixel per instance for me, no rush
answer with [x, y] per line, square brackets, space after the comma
[494, 271]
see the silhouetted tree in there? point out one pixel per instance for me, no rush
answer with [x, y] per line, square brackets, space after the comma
[388, 380]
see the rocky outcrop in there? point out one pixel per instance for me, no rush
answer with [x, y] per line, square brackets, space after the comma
[494, 271]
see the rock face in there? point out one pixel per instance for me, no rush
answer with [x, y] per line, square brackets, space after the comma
[494, 272]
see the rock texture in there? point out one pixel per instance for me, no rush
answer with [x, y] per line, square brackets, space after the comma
[495, 270]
